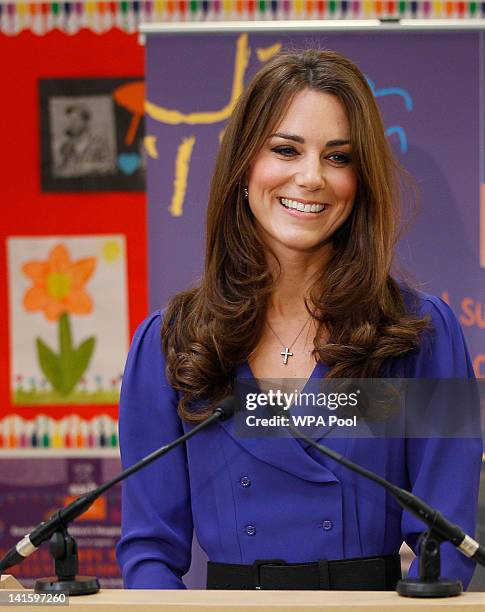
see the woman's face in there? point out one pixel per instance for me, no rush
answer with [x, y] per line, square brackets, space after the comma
[302, 183]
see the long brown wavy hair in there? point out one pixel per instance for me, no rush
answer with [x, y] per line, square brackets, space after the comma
[207, 331]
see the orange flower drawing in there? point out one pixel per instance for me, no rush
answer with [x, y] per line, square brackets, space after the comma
[59, 284]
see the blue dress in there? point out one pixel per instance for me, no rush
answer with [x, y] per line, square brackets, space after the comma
[269, 498]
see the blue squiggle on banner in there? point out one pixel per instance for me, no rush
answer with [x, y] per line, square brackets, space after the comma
[403, 139]
[388, 91]
[408, 102]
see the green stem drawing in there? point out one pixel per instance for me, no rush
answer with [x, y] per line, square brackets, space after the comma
[64, 369]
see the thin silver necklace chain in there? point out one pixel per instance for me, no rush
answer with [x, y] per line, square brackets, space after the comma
[287, 349]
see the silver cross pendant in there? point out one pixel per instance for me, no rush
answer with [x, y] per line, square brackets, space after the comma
[285, 354]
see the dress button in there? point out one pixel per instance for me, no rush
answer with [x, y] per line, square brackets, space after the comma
[250, 530]
[245, 481]
[327, 525]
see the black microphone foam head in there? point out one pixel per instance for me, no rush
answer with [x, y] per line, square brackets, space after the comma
[226, 408]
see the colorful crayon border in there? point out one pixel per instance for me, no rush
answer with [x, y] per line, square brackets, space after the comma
[70, 433]
[100, 16]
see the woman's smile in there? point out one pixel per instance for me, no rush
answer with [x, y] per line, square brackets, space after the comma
[296, 205]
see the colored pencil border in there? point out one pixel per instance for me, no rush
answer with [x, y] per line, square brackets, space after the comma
[126, 15]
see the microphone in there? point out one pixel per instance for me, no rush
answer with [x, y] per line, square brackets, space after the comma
[63, 516]
[412, 503]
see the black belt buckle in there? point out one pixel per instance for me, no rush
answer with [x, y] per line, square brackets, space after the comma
[256, 569]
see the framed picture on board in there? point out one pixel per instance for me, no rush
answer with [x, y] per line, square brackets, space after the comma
[91, 134]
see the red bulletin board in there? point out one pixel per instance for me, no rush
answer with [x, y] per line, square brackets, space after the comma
[26, 211]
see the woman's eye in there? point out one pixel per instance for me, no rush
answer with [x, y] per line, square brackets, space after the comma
[285, 151]
[340, 158]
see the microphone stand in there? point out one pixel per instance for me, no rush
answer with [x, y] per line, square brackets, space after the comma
[429, 583]
[63, 549]
[63, 546]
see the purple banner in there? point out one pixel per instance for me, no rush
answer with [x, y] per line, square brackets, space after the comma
[31, 490]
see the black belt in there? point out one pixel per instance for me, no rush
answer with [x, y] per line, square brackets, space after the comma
[359, 574]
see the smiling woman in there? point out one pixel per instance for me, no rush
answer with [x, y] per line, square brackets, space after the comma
[301, 230]
[306, 132]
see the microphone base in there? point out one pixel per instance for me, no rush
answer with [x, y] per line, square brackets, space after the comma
[81, 585]
[420, 587]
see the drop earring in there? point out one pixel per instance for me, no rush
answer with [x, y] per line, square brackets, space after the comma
[246, 193]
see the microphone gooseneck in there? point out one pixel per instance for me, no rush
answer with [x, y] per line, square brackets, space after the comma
[407, 500]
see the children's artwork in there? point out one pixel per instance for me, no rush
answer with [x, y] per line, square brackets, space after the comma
[92, 134]
[69, 320]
